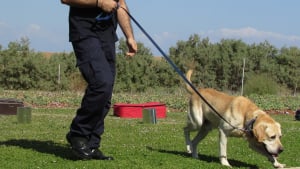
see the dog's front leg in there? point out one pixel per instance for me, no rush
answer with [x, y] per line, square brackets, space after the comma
[223, 148]
[276, 164]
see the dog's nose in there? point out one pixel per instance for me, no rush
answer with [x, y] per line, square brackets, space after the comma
[280, 150]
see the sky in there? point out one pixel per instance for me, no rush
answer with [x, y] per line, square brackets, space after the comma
[45, 22]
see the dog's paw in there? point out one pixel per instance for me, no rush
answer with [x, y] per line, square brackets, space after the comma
[188, 149]
[224, 161]
[278, 165]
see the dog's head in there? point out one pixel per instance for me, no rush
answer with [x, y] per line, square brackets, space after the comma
[266, 137]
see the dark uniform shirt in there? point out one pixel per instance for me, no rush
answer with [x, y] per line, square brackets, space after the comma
[82, 24]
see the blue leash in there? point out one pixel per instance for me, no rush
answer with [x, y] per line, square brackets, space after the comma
[103, 16]
[178, 70]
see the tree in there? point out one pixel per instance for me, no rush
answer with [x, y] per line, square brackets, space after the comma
[133, 73]
[289, 64]
[229, 63]
[16, 65]
[217, 65]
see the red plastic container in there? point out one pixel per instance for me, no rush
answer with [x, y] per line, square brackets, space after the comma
[125, 110]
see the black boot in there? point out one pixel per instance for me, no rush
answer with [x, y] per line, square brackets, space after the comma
[98, 155]
[79, 147]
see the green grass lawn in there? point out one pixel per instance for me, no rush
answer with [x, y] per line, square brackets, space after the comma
[41, 144]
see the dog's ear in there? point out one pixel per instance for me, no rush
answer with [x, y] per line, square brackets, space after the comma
[278, 125]
[259, 132]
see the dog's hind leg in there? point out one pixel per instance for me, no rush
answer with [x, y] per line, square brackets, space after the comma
[194, 122]
[188, 141]
[202, 133]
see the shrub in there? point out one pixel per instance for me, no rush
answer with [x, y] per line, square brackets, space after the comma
[260, 84]
[76, 82]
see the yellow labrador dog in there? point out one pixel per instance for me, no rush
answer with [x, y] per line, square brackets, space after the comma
[261, 131]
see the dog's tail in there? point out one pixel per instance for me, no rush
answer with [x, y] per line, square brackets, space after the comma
[188, 76]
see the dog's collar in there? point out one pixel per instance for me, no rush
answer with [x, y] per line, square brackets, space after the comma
[249, 127]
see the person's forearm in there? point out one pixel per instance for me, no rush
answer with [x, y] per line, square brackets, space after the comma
[82, 3]
[124, 20]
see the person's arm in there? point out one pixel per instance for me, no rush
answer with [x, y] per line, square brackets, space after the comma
[125, 24]
[105, 5]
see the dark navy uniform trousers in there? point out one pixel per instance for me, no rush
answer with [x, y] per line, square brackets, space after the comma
[96, 62]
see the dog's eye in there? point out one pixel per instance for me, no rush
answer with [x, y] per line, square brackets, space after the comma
[273, 137]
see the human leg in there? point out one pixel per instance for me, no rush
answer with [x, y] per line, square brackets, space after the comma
[96, 70]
